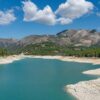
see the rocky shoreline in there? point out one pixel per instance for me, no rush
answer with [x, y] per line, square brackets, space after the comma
[10, 59]
[93, 72]
[86, 90]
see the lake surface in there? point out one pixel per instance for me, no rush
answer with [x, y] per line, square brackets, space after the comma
[40, 79]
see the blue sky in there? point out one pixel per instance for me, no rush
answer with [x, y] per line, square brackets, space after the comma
[19, 18]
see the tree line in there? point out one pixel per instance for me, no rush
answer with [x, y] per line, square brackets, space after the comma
[49, 48]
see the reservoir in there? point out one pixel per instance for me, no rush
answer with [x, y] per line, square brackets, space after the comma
[41, 79]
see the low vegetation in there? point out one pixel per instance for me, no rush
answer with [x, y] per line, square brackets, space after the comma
[3, 52]
[49, 48]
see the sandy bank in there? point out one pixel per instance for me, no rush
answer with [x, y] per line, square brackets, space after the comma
[10, 59]
[71, 59]
[92, 72]
[87, 90]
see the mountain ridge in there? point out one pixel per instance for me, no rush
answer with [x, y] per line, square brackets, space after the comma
[66, 38]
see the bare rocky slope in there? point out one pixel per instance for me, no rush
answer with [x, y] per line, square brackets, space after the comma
[66, 38]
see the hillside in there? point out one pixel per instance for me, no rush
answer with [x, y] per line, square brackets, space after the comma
[67, 42]
[67, 37]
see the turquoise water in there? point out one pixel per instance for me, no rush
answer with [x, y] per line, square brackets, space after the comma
[40, 79]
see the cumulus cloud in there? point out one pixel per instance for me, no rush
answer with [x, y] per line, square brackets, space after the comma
[73, 9]
[33, 13]
[6, 17]
[30, 9]
[64, 21]
[65, 13]
[45, 16]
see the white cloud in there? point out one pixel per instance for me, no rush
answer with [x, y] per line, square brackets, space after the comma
[65, 13]
[45, 16]
[64, 21]
[6, 17]
[74, 8]
[32, 13]
[30, 9]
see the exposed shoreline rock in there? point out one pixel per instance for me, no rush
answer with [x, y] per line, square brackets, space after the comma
[92, 72]
[86, 90]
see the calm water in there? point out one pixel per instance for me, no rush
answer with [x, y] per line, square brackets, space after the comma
[39, 79]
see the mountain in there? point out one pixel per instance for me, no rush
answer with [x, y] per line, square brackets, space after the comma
[81, 37]
[65, 38]
[7, 42]
[33, 39]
